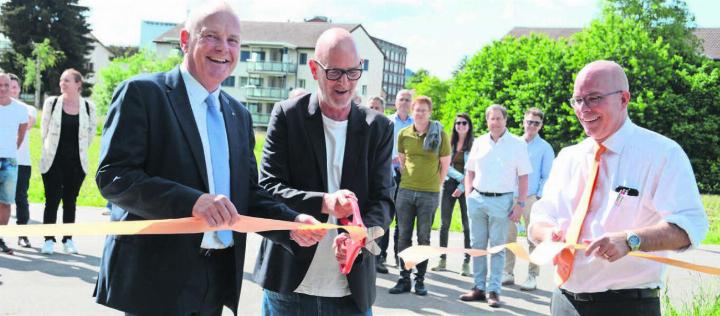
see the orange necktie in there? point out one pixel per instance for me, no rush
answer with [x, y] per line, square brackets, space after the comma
[565, 259]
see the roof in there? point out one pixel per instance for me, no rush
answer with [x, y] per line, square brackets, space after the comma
[300, 34]
[710, 37]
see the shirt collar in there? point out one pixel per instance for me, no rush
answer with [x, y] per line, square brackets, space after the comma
[408, 120]
[617, 141]
[196, 92]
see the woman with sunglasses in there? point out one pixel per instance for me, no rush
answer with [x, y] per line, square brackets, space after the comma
[454, 190]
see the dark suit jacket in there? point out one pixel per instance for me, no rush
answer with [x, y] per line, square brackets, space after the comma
[153, 167]
[294, 170]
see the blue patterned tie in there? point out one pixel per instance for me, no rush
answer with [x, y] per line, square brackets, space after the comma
[219, 155]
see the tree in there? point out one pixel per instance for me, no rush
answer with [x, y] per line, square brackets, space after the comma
[123, 68]
[432, 87]
[25, 22]
[123, 51]
[43, 56]
[667, 19]
[416, 78]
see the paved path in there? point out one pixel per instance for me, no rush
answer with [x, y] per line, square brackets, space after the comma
[60, 284]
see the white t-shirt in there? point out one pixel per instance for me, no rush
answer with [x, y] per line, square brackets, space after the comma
[323, 277]
[23, 157]
[11, 117]
[497, 165]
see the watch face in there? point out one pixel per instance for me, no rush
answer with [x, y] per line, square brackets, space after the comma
[634, 241]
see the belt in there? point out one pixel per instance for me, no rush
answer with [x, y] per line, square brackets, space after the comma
[205, 252]
[612, 295]
[490, 193]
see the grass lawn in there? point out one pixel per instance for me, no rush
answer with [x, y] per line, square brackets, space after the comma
[90, 196]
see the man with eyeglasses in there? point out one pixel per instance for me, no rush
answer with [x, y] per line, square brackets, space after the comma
[622, 189]
[321, 152]
[541, 159]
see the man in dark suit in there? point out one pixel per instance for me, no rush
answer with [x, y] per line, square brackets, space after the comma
[321, 150]
[175, 146]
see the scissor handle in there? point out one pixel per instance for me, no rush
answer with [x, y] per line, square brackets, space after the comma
[353, 247]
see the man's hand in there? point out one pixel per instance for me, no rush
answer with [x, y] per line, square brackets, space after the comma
[216, 210]
[338, 203]
[307, 238]
[340, 247]
[610, 246]
[516, 213]
[396, 161]
[457, 193]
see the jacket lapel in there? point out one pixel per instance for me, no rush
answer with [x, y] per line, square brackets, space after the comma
[234, 141]
[316, 136]
[179, 101]
[354, 142]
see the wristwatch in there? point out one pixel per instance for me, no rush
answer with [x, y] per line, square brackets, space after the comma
[633, 240]
[522, 204]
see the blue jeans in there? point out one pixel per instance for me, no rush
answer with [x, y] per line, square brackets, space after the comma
[488, 222]
[8, 180]
[411, 205]
[277, 304]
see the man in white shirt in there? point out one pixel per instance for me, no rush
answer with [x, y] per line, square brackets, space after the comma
[645, 198]
[498, 161]
[13, 124]
[22, 207]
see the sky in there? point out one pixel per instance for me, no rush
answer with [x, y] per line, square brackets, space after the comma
[436, 33]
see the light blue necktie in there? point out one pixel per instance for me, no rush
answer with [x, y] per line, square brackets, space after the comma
[219, 155]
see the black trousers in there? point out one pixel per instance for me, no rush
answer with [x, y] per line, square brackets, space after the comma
[447, 205]
[385, 239]
[62, 182]
[22, 208]
[209, 287]
[562, 305]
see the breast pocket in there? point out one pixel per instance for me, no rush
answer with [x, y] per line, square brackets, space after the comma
[620, 212]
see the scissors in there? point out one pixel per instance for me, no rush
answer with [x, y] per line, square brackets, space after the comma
[354, 247]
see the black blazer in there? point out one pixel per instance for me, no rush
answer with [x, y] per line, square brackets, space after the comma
[153, 167]
[294, 170]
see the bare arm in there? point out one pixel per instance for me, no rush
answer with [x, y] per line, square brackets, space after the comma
[469, 177]
[661, 236]
[22, 129]
[444, 165]
[402, 161]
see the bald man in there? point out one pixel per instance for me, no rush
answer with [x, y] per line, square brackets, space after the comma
[645, 198]
[176, 146]
[321, 151]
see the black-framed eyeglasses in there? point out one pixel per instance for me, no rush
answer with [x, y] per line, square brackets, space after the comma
[533, 123]
[590, 100]
[463, 123]
[336, 73]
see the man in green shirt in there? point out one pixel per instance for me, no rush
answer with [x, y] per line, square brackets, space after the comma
[424, 152]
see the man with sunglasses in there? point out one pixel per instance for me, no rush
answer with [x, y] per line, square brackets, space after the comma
[321, 152]
[638, 194]
[541, 158]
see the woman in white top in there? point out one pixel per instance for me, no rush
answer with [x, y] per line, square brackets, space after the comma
[68, 127]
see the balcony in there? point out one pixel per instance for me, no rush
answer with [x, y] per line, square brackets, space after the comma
[271, 67]
[266, 94]
[260, 119]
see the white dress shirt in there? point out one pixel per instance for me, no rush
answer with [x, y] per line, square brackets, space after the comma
[636, 158]
[497, 165]
[197, 95]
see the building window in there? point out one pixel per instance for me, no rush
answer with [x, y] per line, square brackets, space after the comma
[253, 107]
[243, 81]
[301, 83]
[244, 55]
[366, 64]
[303, 58]
[364, 89]
[256, 82]
[228, 82]
[259, 56]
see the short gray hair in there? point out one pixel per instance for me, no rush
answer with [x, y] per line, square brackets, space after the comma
[496, 107]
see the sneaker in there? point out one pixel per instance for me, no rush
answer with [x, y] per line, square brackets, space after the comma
[474, 295]
[379, 266]
[530, 284]
[47, 248]
[420, 287]
[24, 242]
[508, 279]
[466, 269]
[402, 286]
[69, 247]
[4, 248]
[441, 265]
[493, 300]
